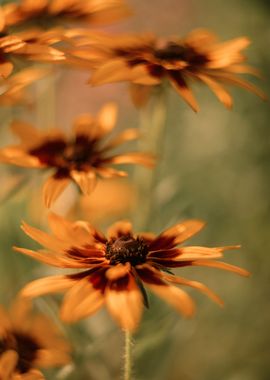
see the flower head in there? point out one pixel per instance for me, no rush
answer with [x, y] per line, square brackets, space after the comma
[54, 12]
[146, 60]
[81, 157]
[115, 269]
[29, 341]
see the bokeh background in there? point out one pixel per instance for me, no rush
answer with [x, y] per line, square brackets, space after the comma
[213, 165]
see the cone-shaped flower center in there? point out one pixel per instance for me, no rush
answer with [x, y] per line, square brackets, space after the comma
[25, 346]
[126, 249]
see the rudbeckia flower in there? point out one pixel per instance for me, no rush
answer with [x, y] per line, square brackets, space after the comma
[28, 342]
[81, 157]
[49, 13]
[146, 60]
[114, 270]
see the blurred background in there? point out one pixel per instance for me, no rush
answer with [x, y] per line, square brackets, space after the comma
[213, 165]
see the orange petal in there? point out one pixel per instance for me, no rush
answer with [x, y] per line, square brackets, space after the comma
[81, 300]
[217, 89]
[26, 132]
[144, 159]
[85, 180]
[115, 70]
[32, 374]
[79, 231]
[8, 362]
[119, 229]
[182, 88]
[196, 285]
[126, 135]
[52, 189]
[107, 118]
[177, 234]
[221, 265]
[176, 297]
[125, 304]
[6, 68]
[50, 258]
[46, 285]
[43, 238]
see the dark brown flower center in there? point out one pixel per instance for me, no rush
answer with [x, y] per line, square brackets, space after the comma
[176, 52]
[67, 155]
[126, 249]
[24, 345]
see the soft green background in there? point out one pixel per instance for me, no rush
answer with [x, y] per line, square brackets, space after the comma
[215, 166]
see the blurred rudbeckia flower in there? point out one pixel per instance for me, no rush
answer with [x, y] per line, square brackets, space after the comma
[49, 13]
[13, 89]
[81, 157]
[29, 341]
[146, 60]
[117, 267]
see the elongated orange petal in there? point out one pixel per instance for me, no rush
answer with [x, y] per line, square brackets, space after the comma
[125, 304]
[222, 265]
[126, 135]
[217, 89]
[46, 285]
[196, 285]
[50, 258]
[113, 71]
[144, 159]
[182, 88]
[52, 189]
[81, 300]
[174, 296]
[26, 132]
[43, 238]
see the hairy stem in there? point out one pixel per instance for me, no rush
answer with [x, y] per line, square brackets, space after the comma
[127, 356]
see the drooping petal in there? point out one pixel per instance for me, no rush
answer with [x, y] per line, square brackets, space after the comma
[217, 89]
[52, 189]
[196, 285]
[125, 302]
[176, 297]
[85, 180]
[114, 70]
[182, 88]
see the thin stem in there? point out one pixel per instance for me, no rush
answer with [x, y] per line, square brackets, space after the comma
[152, 126]
[127, 356]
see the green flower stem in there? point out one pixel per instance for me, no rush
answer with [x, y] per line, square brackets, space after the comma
[127, 356]
[152, 128]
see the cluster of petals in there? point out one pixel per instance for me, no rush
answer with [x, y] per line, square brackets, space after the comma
[55, 12]
[146, 60]
[80, 157]
[29, 341]
[114, 270]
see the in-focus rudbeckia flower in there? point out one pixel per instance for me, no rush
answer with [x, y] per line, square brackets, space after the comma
[48, 13]
[147, 60]
[28, 342]
[81, 157]
[116, 268]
